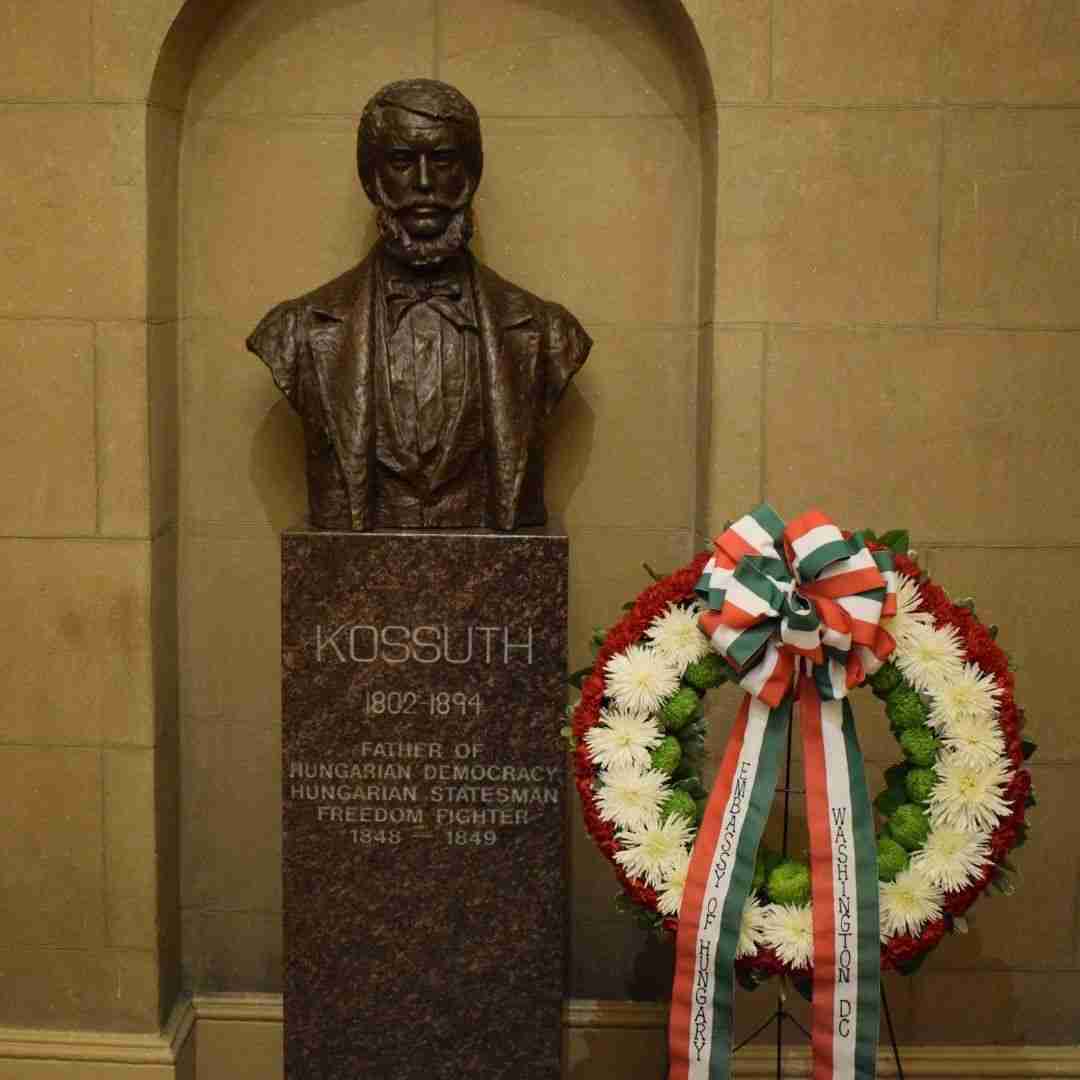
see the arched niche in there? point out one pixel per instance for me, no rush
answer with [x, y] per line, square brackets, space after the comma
[599, 192]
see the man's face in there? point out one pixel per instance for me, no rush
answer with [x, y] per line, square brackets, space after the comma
[421, 172]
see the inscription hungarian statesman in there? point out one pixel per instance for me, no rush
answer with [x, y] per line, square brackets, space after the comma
[422, 377]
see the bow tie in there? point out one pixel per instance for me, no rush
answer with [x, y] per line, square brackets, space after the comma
[444, 294]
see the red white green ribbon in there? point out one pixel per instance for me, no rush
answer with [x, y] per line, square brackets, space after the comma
[795, 610]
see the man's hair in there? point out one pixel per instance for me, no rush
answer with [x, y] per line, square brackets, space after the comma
[425, 97]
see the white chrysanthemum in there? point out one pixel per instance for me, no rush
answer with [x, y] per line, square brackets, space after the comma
[654, 851]
[931, 658]
[751, 927]
[640, 679]
[977, 739]
[952, 858]
[671, 892]
[908, 620]
[968, 796]
[676, 636]
[623, 739]
[631, 797]
[971, 695]
[908, 903]
[789, 929]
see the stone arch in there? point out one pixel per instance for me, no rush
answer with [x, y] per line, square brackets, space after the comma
[211, 43]
[181, 28]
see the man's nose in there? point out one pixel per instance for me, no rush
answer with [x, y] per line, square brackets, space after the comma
[423, 174]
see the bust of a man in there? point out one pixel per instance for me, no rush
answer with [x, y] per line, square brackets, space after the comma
[423, 379]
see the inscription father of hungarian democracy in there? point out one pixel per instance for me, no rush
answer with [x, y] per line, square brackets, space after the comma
[422, 377]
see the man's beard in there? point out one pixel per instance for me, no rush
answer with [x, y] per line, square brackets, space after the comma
[421, 252]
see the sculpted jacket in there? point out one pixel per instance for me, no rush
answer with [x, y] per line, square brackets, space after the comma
[321, 350]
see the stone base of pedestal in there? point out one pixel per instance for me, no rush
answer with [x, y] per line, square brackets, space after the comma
[424, 882]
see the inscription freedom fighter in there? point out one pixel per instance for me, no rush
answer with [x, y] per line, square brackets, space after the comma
[394, 791]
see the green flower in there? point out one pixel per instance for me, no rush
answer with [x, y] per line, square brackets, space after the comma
[919, 746]
[789, 883]
[887, 802]
[919, 783]
[909, 826]
[666, 757]
[679, 802]
[885, 680]
[679, 709]
[905, 709]
[891, 858]
[707, 672]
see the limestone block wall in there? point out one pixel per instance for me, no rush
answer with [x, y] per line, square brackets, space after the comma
[829, 253]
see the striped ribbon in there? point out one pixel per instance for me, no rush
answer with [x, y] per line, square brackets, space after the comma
[795, 610]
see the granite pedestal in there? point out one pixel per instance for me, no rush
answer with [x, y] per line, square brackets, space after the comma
[424, 879]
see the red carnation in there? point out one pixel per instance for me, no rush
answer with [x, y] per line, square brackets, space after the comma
[907, 566]
[934, 598]
[958, 902]
[903, 949]
[984, 651]
[961, 618]
[1018, 790]
[1003, 839]
[1014, 748]
[1008, 716]
[764, 961]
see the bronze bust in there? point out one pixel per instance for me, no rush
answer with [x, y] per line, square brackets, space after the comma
[422, 377]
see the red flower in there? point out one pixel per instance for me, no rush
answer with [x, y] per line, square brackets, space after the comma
[907, 566]
[935, 599]
[903, 949]
[765, 962]
[1003, 839]
[1008, 716]
[1014, 747]
[958, 902]
[1019, 787]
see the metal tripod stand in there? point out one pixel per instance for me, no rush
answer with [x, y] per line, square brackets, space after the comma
[781, 1013]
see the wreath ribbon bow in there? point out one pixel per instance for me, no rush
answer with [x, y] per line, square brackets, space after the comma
[798, 598]
[796, 611]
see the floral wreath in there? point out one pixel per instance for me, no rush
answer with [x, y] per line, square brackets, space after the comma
[952, 810]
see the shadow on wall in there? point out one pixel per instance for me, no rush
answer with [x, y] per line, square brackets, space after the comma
[277, 466]
[568, 450]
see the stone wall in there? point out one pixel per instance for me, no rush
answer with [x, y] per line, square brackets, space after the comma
[830, 255]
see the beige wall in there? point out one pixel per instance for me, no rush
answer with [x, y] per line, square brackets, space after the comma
[844, 265]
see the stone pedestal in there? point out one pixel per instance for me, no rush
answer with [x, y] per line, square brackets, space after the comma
[424, 881]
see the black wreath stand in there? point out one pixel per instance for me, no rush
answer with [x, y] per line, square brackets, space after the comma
[781, 1014]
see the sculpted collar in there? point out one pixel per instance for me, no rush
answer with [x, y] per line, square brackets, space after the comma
[500, 306]
[446, 291]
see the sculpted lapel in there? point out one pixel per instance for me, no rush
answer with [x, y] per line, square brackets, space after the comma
[340, 335]
[510, 347]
